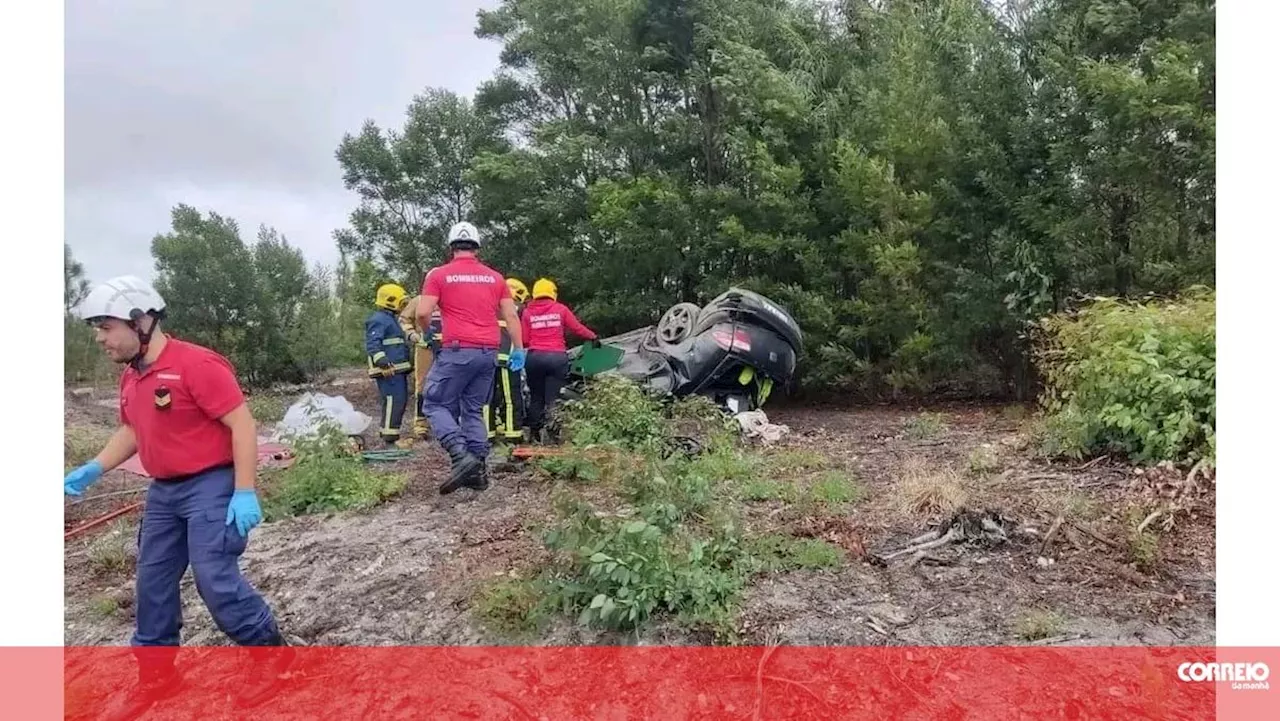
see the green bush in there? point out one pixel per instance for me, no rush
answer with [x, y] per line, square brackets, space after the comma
[327, 476]
[1132, 378]
[614, 411]
[617, 573]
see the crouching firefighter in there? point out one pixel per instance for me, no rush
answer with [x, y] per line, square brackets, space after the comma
[504, 413]
[184, 414]
[426, 343]
[387, 347]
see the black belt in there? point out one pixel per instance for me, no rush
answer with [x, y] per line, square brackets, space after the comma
[189, 476]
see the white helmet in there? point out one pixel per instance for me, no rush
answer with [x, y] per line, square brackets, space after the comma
[126, 297]
[464, 232]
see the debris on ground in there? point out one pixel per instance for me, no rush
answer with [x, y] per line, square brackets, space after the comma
[987, 528]
[309, 414]
[755, 424]
[836, 530]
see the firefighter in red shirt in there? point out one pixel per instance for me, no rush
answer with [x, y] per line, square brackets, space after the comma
[460, 383]
[543, 324]
[183, 412]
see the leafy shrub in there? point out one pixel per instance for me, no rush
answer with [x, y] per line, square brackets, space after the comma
[1132, 378]
[327, 476]
[619, 572]
[614, 411]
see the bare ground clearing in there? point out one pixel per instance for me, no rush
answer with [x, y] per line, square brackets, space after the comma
[407, 573]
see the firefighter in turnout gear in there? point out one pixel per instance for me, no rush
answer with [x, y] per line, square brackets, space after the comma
[504, 414]
[387, 346]
[426, 343]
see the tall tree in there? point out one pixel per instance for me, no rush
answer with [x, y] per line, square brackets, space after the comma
[411, 181]
[75, 286]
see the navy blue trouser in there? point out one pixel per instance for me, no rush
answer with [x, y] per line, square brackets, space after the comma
[459, 385]
[393, 394]
[184, 522]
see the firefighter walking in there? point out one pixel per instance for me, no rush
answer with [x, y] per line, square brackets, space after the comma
[184, 414]
[386, 345]
[469, 294]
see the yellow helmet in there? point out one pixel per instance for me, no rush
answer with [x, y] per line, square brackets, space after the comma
[390, 296]
[519, 291]
[545, 288]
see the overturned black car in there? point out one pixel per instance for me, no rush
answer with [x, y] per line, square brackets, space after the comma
[734, 350]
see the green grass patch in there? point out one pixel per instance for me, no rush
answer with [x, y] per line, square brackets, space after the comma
[1039, 624]
[511, 608]
[325, 477]
[984, 460]
[793, 460]
[834, 489]
[114, 551]
[766, 489]
[781, 552]
[926, 426]
[82, 443]
[104, 606]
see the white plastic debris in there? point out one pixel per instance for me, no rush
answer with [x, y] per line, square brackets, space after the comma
[308, 413]
[755, 424]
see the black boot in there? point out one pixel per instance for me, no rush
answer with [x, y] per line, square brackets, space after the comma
[268, 664]
[464, 468]
[480, 481]
[151, 688]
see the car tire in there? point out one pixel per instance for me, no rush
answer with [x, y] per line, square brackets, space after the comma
[676, 325]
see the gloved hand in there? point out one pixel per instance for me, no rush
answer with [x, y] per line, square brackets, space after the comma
[414, 337]
[383, 362]
[244, 510]
[81, 478]
[516, 360]
[594, 342]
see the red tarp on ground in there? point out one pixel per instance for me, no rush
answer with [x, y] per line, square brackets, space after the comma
[270, 455]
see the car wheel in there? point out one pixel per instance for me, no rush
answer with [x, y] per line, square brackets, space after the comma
[677, 323]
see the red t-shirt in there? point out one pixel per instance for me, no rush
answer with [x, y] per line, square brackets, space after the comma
[183, 436]
[469, 292]
[543, 322]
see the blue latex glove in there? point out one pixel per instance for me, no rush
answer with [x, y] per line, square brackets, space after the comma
[244, 510]
[81, 478]
[516, 360]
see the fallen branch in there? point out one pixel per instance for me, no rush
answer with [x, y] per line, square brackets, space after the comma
[1095, 534]
[1053, 531]
[1057, 639]
[952, 535]
[1147, 521]
[1090, 464]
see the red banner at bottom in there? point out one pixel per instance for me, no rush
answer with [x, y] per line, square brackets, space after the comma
[645, 682]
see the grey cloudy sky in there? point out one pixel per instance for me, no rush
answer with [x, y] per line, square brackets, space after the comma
[238, 106]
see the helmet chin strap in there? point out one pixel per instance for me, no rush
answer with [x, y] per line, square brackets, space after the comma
[144, 337]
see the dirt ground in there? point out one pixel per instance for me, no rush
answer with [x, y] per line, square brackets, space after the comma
[406, 573]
